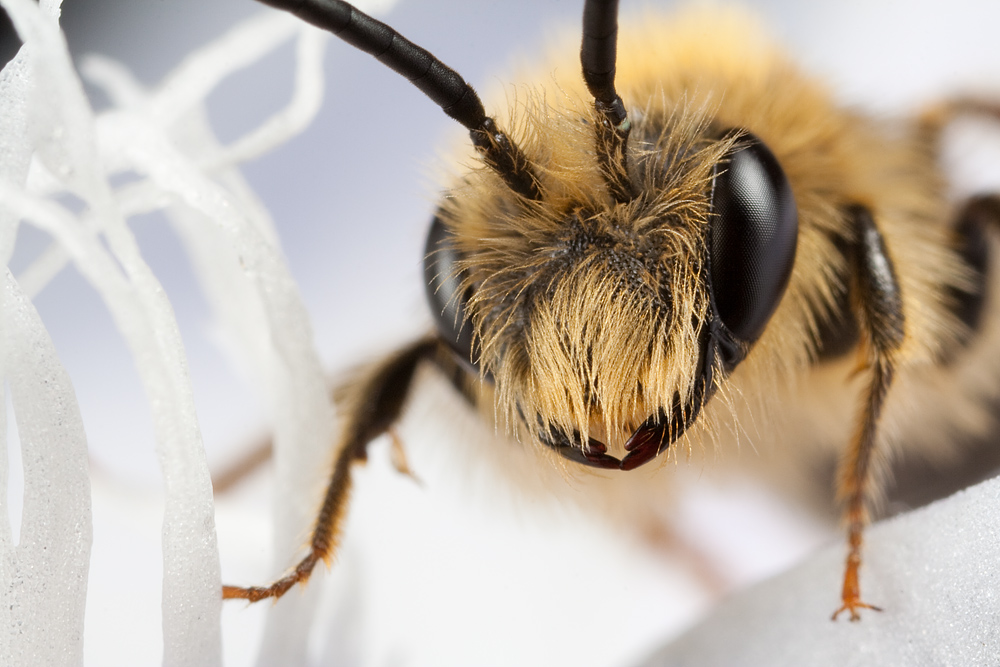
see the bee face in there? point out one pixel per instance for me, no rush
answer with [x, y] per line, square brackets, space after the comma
[609, 321]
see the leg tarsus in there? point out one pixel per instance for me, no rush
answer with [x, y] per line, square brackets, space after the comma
[851, 592]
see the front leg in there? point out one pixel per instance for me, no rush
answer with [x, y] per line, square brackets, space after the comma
[373, 407]
[878, 308]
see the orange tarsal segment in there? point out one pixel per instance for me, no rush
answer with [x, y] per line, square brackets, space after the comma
[851, 594]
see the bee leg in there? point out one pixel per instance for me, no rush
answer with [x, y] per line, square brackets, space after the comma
[229, 477]
[878, 307]
[375, 407]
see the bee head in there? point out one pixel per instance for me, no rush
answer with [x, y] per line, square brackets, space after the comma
[608, 307]
[601, 318]
[608, 272]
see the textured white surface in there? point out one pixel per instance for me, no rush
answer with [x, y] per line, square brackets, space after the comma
[63, 130]
[43, 577]
[934, 571]
[44, 560]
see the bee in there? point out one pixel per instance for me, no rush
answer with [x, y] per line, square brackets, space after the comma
[689, 238]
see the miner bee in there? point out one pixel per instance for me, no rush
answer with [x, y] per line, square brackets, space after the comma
[646, 259]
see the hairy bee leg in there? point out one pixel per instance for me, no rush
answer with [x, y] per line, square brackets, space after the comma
[262, 450]
[376, 408]
[878, 306]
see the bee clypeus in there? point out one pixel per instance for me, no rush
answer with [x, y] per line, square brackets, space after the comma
[645, 257]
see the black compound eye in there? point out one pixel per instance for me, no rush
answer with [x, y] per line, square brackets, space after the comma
[443, 282]
[754, 234]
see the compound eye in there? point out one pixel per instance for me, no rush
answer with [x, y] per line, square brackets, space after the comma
[754, 234]
[443, 282]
